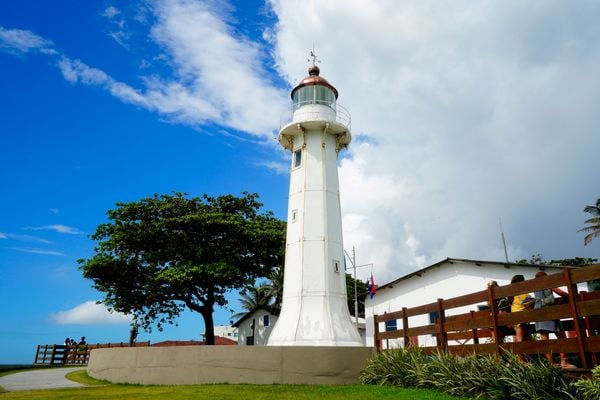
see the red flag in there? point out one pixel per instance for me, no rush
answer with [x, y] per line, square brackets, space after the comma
[371, 287]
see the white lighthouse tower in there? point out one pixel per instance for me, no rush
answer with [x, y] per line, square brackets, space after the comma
[314, 309]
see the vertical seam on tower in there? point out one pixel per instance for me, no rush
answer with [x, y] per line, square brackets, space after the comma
[301, 244]
[328, 256]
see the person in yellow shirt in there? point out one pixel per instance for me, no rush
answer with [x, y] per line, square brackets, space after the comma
[519, 303]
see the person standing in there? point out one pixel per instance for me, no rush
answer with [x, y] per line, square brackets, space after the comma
[545, 298]
[133, 334]
[519, 303]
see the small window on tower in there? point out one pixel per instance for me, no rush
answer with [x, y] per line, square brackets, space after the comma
[336, 266]
[297, 158]
[294, 215]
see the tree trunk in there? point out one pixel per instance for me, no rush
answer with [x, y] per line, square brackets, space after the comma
[206, 310]
[209, 336]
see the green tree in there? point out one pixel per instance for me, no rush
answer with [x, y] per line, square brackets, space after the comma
[593, 230]
[537, 259]
[159, 255]
[361, 291]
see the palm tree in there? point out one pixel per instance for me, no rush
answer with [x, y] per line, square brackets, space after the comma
[274, 289]
[254, 297]
[594, 222]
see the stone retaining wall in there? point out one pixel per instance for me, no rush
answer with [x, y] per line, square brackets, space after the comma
[189, 365]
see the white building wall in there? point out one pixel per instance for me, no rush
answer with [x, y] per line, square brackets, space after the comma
[444, 281]
[261, 332]
[227, 331]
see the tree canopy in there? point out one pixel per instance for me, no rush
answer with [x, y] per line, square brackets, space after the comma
[537, 259]
[161, 254]
[361, 294]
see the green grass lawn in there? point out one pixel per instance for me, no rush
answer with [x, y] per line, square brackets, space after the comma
[102, 390]
[227, 392]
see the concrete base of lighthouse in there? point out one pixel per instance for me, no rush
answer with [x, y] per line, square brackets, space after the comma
[193, 365]
[317, 320]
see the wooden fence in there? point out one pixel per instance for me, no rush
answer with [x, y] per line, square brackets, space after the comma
[461, 333]
[75, 354]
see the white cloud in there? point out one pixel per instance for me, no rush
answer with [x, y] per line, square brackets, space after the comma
[119, 31]
[111, 12]
[217, 67]
[217, 75]
[35, 250]
[24, 238]
[23, 41]
[54, 211]
[280, 168]
[56, 228]
[474, 110]
[75, 71]
[89, 313]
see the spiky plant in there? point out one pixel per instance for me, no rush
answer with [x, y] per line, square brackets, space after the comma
[589, 389]
[398, 367]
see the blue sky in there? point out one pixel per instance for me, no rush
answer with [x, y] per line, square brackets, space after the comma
[462, 114]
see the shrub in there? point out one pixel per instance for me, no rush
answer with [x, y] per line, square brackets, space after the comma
[486, 377]
[589, 389]
[398, 367]
[535, 380]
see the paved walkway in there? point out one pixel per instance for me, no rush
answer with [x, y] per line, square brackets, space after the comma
[51, 378]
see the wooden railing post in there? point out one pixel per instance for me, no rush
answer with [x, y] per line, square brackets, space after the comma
[494, 315]
[376, 342]
[474, 330]
[573, 300]
[442, 337]
[405, 327]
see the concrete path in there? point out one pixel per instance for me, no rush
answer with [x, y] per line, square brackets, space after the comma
[50, 378]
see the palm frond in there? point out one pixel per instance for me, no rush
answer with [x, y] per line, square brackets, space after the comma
[594, 210]
[594, 223]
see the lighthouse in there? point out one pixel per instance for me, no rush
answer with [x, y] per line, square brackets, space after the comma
[314, 309]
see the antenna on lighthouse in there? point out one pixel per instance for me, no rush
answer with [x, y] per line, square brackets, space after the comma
[313, 55]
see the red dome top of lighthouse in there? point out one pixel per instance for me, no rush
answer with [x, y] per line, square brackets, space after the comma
[313, 79]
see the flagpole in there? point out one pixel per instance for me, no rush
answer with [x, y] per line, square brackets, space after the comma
[355, 294]
[354, 266]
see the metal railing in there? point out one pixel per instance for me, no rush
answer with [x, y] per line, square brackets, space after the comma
[340, 114]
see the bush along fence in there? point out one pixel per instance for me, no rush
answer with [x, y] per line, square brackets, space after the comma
[462, 333]
[56, 354]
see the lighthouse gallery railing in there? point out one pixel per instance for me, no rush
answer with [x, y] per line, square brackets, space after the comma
[339, 114]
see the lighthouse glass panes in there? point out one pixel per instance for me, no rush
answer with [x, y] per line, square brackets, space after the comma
[314, 94]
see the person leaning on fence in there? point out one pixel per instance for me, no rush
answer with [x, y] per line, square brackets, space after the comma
[519, 303]
[545, 298]
[82, 345]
